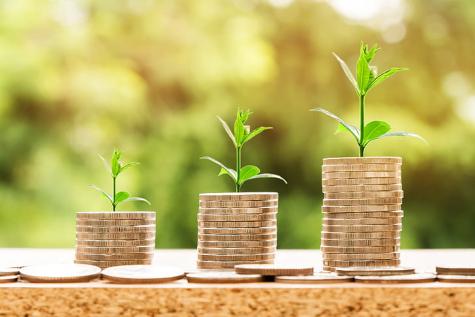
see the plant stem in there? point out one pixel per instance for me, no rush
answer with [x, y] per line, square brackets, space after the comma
[362, 108]
[238, 168]
[113, 193]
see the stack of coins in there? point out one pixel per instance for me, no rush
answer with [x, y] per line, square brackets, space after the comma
[236, 228]
[109, 239]
[362, 216]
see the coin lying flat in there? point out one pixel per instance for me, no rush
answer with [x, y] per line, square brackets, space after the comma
[360, 250]
[60, 273]
[105, 264]
[237, 211]
[361, 168]
[274, 269]
[227, 264]
[361, 209]
[223, 277]
[239, 204]
[363, 160]
[360, 242]
[243, 217]
[116, 215]
[114, 250]
[115, 243]
[362, 228]
[364, 195]
[8, 278]
[363, 202]
[361, 221]
[317, 278]
[351, 263]
[118, 256]
[397, 279]
[361, 181]
[456, 270]
[236, 224]
[258, 230]
[113, 236]
[349, 175]
[374, 271]
[236, 257]
[120, 229]
[235, 251]
[361, 235]
[360, 188]
[364, 215]
[237, 244]
[114, 222]
[236, 237]
[456, 278]
[360, 256]
[140, 274]
[9, 271]
[239, 196]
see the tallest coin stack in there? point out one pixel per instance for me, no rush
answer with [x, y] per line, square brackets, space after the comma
[362, 216]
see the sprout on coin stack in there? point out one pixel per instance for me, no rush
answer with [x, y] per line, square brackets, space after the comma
[111, 238]
[240, 227]
[362, 195]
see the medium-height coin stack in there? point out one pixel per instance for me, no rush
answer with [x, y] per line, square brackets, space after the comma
[362, 216]
[109, 239]
[236, 228]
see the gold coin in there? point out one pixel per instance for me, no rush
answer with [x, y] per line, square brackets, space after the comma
[236, 257]
[239, 204]
[9, 271]
[361, 235]
[108, 257]
[361, 168]
[360, 242]
[238, 196]
[237, 211]
[234, 251]
[115, 243]
[245, 217]
[362, 221]
[456, 278]
[258, 230]
[360, 188]
[361, 181]
[397, 279]
[134, 229]
[227, 264]
[350, 175]
[223, 277]
[115, 222]
[115, 250]
[140, 274]
[65, 273]
[113, 236]
[363, 160]
[363, 202]
[374, 271]
[8, 278]
[236, 224]
[361, 208]
[318, 278]
[274, 269]
[364, 195]
[104, 264]
[360, 250]
[365, 215]
[237, 244]
[236, 237]
[115, 215]
[360, 256]
[336, 263]
[362, 228]
[466, 269]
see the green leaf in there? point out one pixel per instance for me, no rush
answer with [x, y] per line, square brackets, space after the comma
[403, 133]
[340, 128]
[115, 163]
[109, 197]
[247, 172]
[255, 133]
[268, 175]
[347, 72]
[363, 71]
[225, 172]
[121, 196]
[106, 165]
[374, 130]
[369, 54]
[350, 128]
[385, 75]
[228, 130]
[229, 171]
[137, 199]
[127, 165]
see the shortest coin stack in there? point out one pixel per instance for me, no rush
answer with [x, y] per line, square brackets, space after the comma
[236, 228]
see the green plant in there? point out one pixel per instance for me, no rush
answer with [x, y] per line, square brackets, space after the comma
[366, 79]
[242, 134]
[116, 168]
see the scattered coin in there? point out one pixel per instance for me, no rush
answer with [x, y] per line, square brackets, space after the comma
[360, 242]
[236, 257]
[116, 215]
[361, 168]
[9, 271]
[361, 181]
[362, 160]
[362, 228]
[258, 230]
[8, 278]
[114, 222]
[274, 269]
[369, 209]
[60, 273]
[360, 250]
[237, 244]
[239, 204]
[456, 278]
[227, 264]
[120, 229]
[237, 211]
[234, 251]
[360, 188]
[351, 263]
[361, 221]
[456, 270]
[234, 237]
[115, 243]
[238, 196]
[361, 215]
[364, 195]
[374, 271]
[397, 279]
[114, 236]
[239, 218]
[139, 274]
[358, 175]
[363, 202]
[236, 224]
[360, 235]
[317, 278]
[116, 256]
[223, 277]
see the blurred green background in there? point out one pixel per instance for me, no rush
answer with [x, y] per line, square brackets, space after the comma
[78, 78]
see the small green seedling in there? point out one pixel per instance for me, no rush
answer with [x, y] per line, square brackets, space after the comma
[115, 168]
[366, 79]
[242, 134]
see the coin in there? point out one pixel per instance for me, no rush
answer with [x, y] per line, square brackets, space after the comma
[397, 279]
[117, 256]
[8, 278]
[223, 277]
[361, 181]
[360, 235]
[140, 274]
[60, 273]
[227, 264]
[360, 215]
[362, 228]
[258, 230]
[238, 196]
[361, 168]
[245, 217]
[362, 221]
[237, 244]
[237, 211]
[374, 271]
[360, 242]
[346, 175]
[9, 271]
[239, 204]
[115, 215]
[114, 236]
[369, 250]
[363, 202]
[456, 278]
[240, 251]
[115, 243]
[274, 269]
[455, 270]
[104, 264]
[114, 222]
[365, 208]
[240, 237]
[120, 229]
[360, 188]
[363, 160]
[114, 250]
[364, 195]
[336, 263]
[317, 278]
[236, 224]
[360, 256]
[236, 257]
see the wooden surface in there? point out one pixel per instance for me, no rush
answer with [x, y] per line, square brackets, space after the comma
[258, 299]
